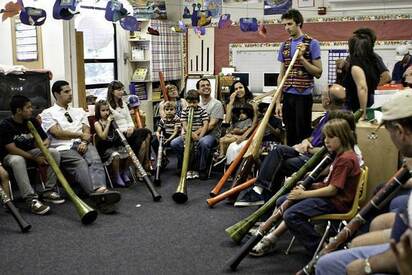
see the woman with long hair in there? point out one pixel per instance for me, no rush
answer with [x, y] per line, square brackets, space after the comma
[138, 138]
[363, 73]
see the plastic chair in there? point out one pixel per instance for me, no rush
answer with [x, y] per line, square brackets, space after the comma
[342, 217]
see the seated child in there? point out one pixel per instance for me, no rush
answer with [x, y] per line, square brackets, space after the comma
[240, 125]
[200, 123]
[169, 125]
[109, 145]
[334, 195]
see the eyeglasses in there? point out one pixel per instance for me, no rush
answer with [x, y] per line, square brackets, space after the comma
[68, 117]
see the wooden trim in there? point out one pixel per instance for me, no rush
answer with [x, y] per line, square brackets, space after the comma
[81, 76]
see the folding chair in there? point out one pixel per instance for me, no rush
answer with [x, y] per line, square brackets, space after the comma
[342, 217]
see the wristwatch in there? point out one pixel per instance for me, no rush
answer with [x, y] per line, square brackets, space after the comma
[367, 268]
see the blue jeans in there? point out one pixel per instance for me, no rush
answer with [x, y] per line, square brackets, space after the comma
[297, 218]
[336, 262]
[281, 162]
[205, 146]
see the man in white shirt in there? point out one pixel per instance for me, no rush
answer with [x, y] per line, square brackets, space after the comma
[70, 135]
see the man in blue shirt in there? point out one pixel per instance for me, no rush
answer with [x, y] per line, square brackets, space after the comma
[297, 90]
[404, 62]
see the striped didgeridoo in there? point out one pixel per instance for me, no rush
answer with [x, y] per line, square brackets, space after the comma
[156, 196]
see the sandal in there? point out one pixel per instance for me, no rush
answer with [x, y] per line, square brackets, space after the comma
[264, 247]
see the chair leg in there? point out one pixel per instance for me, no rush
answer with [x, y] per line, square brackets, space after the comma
[108, 176]
[322, 240]
[292, 241]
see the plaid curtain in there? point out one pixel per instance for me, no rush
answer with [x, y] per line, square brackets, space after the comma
[166, 51]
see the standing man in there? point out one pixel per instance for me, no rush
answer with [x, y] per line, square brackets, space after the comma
[404, 61]
[21, 149]
[70, 133]
[297, 91]
[214, 109]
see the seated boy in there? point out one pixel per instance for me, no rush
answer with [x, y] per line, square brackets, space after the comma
[199, 127]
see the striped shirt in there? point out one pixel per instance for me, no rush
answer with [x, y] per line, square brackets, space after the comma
[199, 116]
[168, 126]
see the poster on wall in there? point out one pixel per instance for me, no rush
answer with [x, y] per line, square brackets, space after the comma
[214, 6]
[276, 6]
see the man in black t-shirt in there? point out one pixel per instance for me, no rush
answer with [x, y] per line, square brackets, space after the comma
[20, 148]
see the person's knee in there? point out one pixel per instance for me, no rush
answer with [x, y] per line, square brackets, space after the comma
[290, 217]
[383, 221]
[16, 161]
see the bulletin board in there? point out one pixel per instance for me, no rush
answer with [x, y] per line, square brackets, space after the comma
[27, 45]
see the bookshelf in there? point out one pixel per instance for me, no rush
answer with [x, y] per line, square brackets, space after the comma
[148, 56]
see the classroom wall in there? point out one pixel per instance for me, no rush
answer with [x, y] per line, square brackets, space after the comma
[52, 38]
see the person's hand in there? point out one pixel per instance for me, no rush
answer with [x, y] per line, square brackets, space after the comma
[302, 47]
[297, 193]
[110, 118]
[158, 135]
[303, 147]
[403, 252]
[357, 267]
[232, 97]
[278, 110]
[85, 136]
[82, 148]
[40, 160]
[195, 136]
[46, 142]
[129, 131]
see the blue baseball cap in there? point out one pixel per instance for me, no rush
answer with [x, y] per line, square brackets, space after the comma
[134, 101]
[224, 21]
[32, 16]
[130, 23]
[248, 24]
[115, 11]
[64, 9]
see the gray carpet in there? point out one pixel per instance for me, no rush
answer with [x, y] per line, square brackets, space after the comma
[143, 237]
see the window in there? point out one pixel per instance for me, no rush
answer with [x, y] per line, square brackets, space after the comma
[99, 37]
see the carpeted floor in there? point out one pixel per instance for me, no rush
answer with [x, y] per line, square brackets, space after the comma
[143, 237]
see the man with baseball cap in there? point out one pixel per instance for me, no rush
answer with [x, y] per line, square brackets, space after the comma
[381, 258]
[404, 61]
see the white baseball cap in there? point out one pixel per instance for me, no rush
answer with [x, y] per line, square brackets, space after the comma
[401, 50]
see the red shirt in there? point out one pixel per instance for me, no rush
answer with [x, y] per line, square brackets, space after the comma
[344, 175]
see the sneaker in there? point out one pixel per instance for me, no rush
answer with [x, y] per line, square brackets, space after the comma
[38, 208]
[219, 161]
[52, 197]
[264, 247]
[250, 198]
[195, 175]
[189, 175]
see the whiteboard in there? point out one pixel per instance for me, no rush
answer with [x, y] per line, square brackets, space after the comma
[256, 60]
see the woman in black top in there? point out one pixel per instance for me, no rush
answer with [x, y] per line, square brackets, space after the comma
[363, 73]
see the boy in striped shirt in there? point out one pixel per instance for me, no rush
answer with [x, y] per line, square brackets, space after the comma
[199, 127]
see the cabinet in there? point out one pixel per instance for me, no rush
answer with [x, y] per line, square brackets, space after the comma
[379, 154]
[150, 54]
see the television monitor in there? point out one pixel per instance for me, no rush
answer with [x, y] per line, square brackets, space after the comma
[270, 81]
[243, 77]
[34, 85]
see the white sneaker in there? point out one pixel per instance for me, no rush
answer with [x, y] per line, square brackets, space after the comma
[195, 175]
[189, 175]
